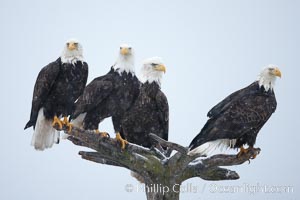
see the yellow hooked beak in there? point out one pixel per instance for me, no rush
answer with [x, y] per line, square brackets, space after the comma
[160, 68]
[72, 46]
[277, 72]
[124, 51]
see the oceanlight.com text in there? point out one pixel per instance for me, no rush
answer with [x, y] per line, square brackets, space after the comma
[211, 188]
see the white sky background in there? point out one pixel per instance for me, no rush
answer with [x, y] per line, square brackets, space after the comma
[210, 48]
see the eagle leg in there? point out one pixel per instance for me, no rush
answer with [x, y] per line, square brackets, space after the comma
[121, 140]
[102, 134]
[66, 123]
[250, 149]
[57, 123]
[242, 151]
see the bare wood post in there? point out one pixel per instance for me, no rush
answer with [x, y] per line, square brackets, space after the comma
[153, 166]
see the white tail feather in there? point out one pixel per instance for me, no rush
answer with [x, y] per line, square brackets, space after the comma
[44, 135]
[64, 136]
[78, 121]
[209, 147]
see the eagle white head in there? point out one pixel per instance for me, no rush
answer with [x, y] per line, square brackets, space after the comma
[72, 52]
[153, 69]
[267, 77]
[125, 61]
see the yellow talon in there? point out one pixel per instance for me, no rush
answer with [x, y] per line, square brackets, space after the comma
[70, 126]
[121, 140]
[66, 123]
[242, 151]
[245, 151]
[57, 121]
[102, 134]
[257, 151]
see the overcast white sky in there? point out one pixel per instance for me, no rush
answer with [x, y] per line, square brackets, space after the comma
[210, 48]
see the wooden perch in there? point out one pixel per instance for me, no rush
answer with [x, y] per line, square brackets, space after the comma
[154, 166]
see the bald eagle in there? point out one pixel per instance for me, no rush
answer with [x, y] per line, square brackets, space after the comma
[57, 87]
[237, 119]
[108, 96]
[150, 112]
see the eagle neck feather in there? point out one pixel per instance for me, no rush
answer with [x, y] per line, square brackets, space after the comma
[72, 57]
[124, 64]
[266, 81]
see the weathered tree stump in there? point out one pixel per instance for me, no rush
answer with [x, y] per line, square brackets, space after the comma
[155, 166]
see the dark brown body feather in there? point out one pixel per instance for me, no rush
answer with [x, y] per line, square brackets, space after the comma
[240, 116]
[57, 87]
[149, 114]
[110, 95]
